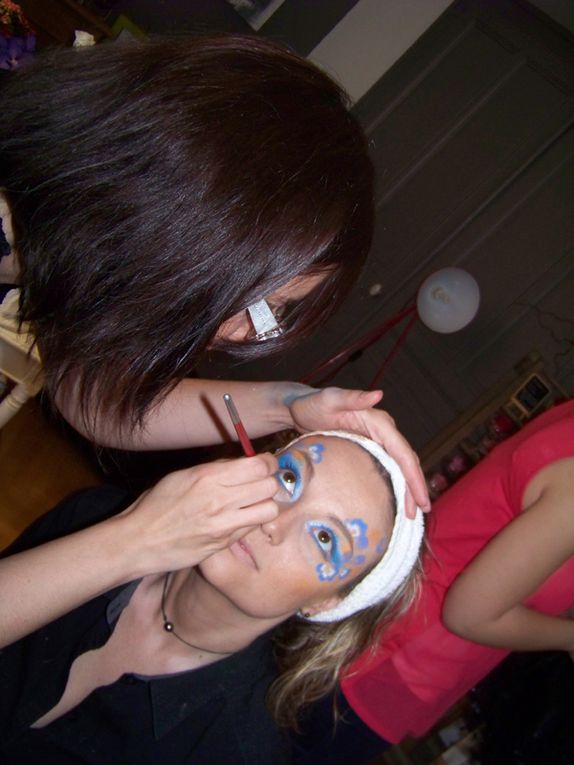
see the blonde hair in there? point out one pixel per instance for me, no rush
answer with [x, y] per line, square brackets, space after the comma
[312, 655]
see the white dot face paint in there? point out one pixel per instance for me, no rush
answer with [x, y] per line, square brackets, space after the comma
[335, 509]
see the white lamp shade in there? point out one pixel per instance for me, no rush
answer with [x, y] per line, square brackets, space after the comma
[448, 300]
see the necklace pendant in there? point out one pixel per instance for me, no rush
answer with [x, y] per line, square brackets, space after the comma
[169, 627]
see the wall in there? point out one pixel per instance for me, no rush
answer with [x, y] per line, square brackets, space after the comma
[371, 37]
[374, 34]
[472, 136]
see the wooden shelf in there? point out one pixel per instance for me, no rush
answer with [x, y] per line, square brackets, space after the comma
[525, 392]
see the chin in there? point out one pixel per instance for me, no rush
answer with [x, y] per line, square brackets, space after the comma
[243, 588]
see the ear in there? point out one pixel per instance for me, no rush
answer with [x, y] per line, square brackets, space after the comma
[322, 605]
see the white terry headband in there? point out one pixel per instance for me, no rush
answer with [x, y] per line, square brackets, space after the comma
[402, 551]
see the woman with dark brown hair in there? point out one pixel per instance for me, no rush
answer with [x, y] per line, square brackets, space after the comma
[164, 198]
[158, 190]
[156, 193]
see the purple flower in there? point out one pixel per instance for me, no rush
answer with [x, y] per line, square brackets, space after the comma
[16, 51]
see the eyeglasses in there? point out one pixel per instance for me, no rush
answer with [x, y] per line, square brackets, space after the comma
[264, 322]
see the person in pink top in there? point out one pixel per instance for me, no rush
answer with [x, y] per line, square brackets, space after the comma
[508, 525]
[499, 571]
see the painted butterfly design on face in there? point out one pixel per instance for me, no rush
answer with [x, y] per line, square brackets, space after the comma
[315, 452]
[338, 564]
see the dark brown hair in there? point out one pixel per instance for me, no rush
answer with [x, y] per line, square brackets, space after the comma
[158, 188]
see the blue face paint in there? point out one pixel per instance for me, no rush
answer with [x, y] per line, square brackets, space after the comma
[382, 546]
[328, 543]
[315, 452]
[298, 391]
[291, 469]
[358, 529]
[289, 476]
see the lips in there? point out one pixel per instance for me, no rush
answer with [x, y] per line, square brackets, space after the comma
[242, 552]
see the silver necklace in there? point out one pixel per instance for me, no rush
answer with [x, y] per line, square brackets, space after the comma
[168, 625]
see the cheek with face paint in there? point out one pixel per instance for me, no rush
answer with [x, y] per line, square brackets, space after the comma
[359, 529]
[382, 545]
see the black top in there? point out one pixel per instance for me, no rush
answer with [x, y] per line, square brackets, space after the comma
[212, 715]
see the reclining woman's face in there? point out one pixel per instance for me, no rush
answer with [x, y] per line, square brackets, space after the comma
[335, 521]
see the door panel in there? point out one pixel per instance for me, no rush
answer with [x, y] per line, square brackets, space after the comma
[472, 137]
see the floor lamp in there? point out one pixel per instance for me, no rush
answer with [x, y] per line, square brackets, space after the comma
[445, 302]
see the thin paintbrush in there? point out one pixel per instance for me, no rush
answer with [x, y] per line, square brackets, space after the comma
[238, 425]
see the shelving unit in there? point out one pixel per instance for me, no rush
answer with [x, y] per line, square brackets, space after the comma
[525, 392]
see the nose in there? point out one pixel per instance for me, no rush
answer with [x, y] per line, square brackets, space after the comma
[277, 529]
[235, 329]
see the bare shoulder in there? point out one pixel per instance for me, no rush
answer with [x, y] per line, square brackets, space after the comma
[555, 483]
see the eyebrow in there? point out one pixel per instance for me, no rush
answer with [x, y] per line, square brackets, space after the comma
[309, 467]
[306, 459]
[344, 530]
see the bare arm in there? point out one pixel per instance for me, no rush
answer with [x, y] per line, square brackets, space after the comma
[185, 518]
[40, 585]
[194, 414]
[485, 602]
